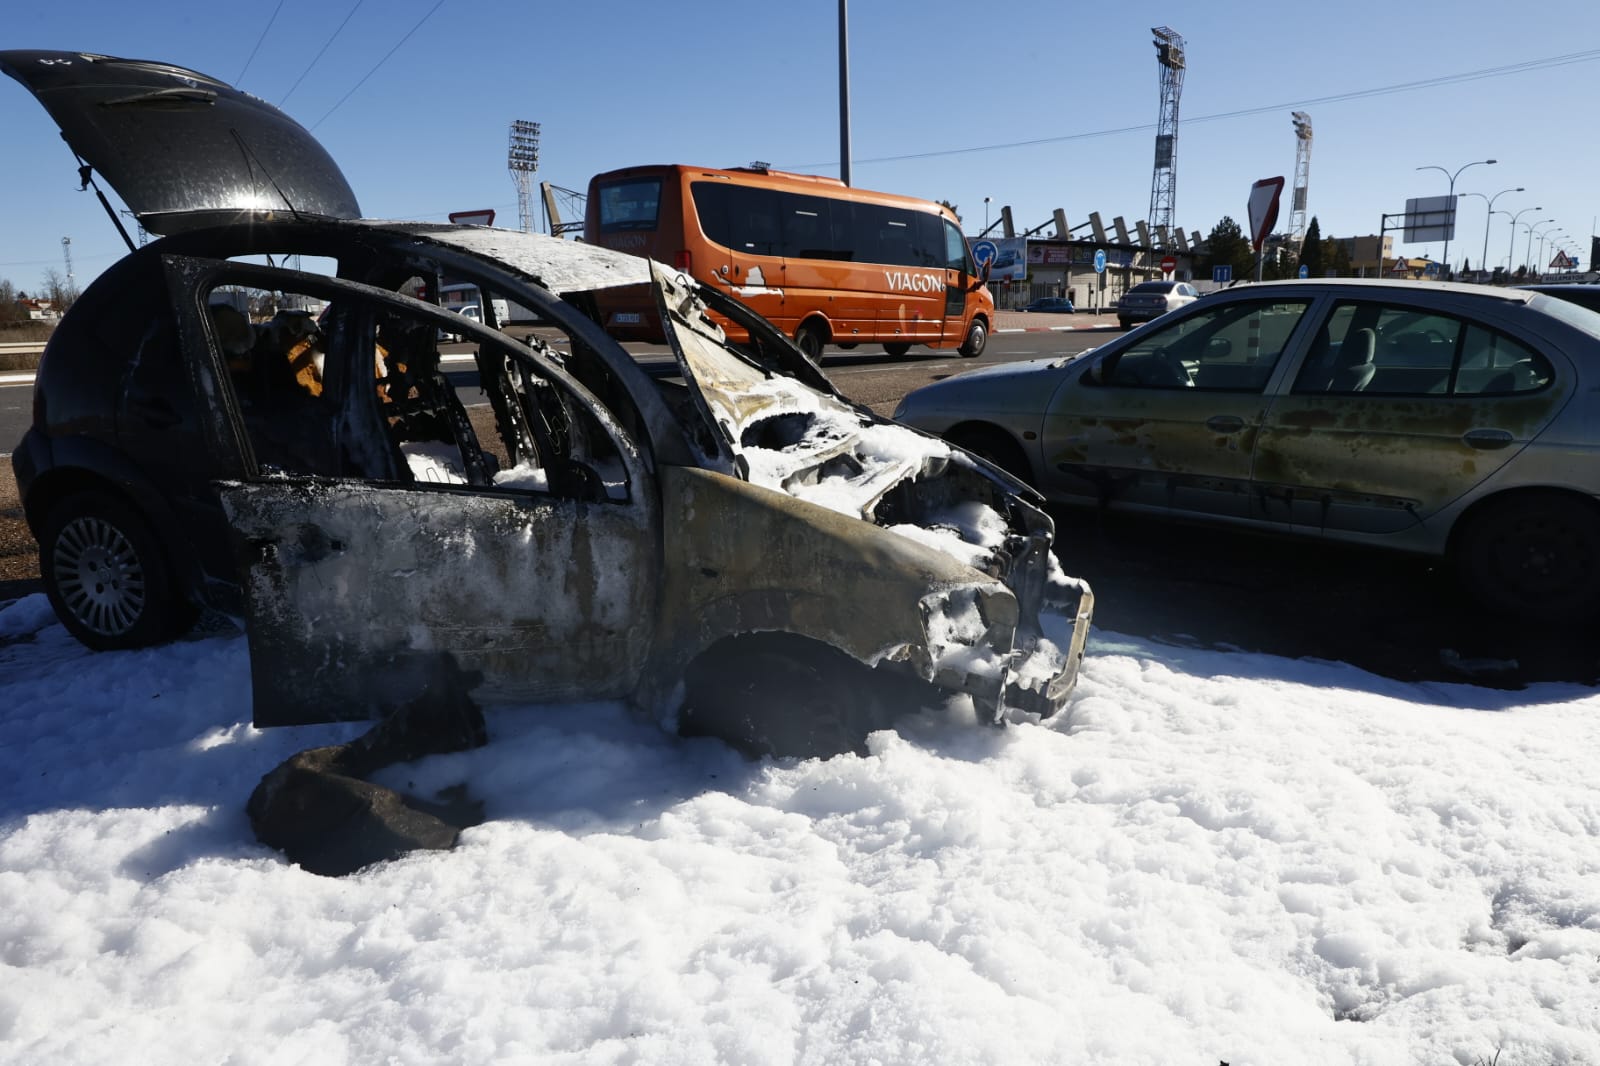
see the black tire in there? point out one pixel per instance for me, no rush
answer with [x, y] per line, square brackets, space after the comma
[993, 444]
[780, 695]
[1125, 324]
[896, 348]
[977, 338]
[107, 576]
[1535, 556]
[809, 338]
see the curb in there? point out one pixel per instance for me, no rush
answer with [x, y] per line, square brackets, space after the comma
[1057, 329]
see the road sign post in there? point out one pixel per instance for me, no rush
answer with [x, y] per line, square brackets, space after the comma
[1168, 265]
[1100, 269]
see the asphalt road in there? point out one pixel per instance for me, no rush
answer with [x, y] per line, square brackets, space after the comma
[1394, 615]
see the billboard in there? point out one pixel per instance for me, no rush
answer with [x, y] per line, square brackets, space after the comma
[1430, 218]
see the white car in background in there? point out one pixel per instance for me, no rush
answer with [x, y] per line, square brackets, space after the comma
[1152, 299]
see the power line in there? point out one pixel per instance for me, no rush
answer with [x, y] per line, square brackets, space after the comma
[318, 56]
[378, 64]
[1547, 63]
[263, 37]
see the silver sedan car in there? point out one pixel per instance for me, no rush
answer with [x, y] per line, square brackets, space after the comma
[1458, 421]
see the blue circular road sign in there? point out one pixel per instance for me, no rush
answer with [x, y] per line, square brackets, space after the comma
[1099, 260]
[1305, 271]
[984, 252]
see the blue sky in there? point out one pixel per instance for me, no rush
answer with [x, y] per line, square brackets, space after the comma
[956, 86]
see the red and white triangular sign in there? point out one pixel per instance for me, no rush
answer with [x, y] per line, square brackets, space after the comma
[1264, 196]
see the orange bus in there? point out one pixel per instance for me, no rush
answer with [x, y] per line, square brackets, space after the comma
[825, 262]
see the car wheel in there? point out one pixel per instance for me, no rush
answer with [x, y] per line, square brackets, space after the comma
[107, 577]
[977, 338]
[809, 339]
[993, 444]
[1535, 555]
[1125, 324]
[777, 694]
[897, 349]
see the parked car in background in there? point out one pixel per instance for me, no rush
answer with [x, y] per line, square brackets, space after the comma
[1152, 299]
[738, 549]
[1058, 305]
[1456, 421]
[1582, 295]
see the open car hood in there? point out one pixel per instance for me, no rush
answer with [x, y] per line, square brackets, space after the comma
[182, 149]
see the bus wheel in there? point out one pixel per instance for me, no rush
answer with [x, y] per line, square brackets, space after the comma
[977, 337]
[809, 339]
[897, 349]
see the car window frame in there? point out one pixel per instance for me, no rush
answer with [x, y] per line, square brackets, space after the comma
[190, 278]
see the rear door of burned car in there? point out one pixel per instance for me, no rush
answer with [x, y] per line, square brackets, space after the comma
[388, 544]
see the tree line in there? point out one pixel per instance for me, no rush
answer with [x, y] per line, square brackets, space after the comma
[1321, 256]
[55, 289]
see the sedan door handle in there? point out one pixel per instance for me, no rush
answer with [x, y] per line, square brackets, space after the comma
[1487, 439]
[1225, 423]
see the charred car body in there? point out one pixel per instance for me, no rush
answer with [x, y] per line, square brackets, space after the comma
[739, 545]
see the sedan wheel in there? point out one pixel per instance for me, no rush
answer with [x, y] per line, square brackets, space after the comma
[106, 575]
[1535, 556]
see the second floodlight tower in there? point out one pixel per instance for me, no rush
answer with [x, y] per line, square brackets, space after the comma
[1302, 177]
[522, 159]
[1164, 181]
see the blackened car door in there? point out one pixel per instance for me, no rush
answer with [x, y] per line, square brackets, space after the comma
[398, 552]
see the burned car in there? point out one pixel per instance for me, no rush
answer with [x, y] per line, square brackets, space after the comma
[734, 546]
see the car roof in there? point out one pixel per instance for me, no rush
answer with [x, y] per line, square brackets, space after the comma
[1370, 286]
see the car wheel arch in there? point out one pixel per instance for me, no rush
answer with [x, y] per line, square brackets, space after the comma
[1461, 548]
[824, 700]
[58, 484]
[996, 444]
[815, 325]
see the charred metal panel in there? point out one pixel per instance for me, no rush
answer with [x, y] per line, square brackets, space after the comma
[181, 148]
[359, 594]
[740, 559]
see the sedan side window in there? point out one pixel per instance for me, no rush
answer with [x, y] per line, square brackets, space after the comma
[1230, 348]
[1382, 349]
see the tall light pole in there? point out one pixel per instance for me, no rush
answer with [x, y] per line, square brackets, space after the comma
[1488, 216]
[844, 92]
[986, 214]
[1453, 177]
[1550, 233]
[1511, 247]
[1527, 253]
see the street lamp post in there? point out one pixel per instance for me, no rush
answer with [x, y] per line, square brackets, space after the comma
[1527, 252]
[1511, 247]
[986, 215]
[1464, 166]
[1488, 217]
[1551, 233]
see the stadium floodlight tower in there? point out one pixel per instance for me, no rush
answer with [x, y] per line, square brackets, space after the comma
[523, 160]
[1164, 181]
[1302, 177]
[66, 255]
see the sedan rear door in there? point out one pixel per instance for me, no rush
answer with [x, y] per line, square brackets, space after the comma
[1399, 409]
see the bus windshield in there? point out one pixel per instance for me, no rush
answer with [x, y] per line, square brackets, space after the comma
[630, 205]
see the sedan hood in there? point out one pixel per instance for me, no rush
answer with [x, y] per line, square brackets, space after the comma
[182, 149]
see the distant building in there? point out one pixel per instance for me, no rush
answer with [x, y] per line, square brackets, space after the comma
[1367, 258]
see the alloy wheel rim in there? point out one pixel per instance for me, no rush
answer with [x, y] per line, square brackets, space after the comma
[99, 576]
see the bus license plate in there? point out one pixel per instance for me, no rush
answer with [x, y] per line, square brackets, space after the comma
[626, 318]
